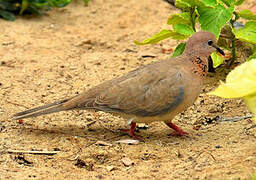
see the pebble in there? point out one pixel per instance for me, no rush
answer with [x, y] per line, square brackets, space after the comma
[88, 117]
[103, 143]
[110, 168]
[218, 146]
[214, 108]
[128, 141]
[127, 162]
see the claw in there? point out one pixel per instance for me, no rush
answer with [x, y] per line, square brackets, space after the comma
[179, 131]
[131, 132]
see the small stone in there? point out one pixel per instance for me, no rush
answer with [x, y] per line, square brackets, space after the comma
[166, 49]
[72, 68]
[213, 109]
[178, 154]
[7, 43]
[82, 164]
[217, 146]
[3, 63]
[197, 127]
[142, 126]
[24, 160]
[127, 162]
[101, 118]
[97, 63]
[102, 143]
[110, 168]
[84, 42]
[89, 117]
[128, 141]
[56, 149]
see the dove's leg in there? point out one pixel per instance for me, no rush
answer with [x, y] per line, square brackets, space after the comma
[131, 131]
[178, 131]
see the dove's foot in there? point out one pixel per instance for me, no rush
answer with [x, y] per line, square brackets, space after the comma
[131, 132]
[178, 131]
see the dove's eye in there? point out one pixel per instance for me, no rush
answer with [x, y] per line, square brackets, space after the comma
[210, 42]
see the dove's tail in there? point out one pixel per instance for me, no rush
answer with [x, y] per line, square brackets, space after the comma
[45, 109]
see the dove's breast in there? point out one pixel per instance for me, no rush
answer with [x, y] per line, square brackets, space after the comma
[192, 86]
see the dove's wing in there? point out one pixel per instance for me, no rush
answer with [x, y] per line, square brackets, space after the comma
[149, 93]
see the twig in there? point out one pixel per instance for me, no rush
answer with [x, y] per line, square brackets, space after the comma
[16, 104]
[233, 119]
[73, 159]
[225, 36]
[212, 156]
[90, 123]
[90, 144]
[33, 152]
[253, 126]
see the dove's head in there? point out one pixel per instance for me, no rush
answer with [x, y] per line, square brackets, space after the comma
[202, 43]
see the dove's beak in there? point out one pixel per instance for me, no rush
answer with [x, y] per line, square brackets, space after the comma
[218, 49]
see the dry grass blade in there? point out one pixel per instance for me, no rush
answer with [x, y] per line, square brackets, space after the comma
[33, 152]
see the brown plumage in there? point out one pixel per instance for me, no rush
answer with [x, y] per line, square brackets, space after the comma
[155, 92]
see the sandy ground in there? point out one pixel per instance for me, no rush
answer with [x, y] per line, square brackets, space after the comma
[44, 59]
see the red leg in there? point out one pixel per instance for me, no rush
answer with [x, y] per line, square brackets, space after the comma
[131, 132]
[179, 131]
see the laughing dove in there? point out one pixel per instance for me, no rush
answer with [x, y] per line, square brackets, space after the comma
[154, 92]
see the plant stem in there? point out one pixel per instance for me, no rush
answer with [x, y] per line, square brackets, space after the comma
[193, 17]
[233, 38]
[233, 48]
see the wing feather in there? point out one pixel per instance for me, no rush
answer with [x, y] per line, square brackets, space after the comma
[149, 93]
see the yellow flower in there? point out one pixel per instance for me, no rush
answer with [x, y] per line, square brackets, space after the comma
[240, 83]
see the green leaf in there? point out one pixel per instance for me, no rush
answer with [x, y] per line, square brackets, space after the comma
[213, 19]
[181, 18]
[216, 59]
[247, 33]
[182, 5]
[86, 1]
[24, 6]
[254, 176]
[7, 15]
[250, 102]
[253, 56]
[164, 34]
[59, 3]
[239, 2]
[185, 4]
[210, 3]
[179, 50]
[183, 29]
[9, 6]
[228, 2]
[247, 14]
[34, 9]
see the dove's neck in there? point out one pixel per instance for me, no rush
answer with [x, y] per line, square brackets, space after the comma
[200, 67]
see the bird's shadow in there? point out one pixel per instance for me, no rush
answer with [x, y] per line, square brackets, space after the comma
[96, 132]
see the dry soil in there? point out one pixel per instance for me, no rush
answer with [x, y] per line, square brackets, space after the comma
[69, 50]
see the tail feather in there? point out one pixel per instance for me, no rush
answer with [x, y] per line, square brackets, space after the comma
[45, 109]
